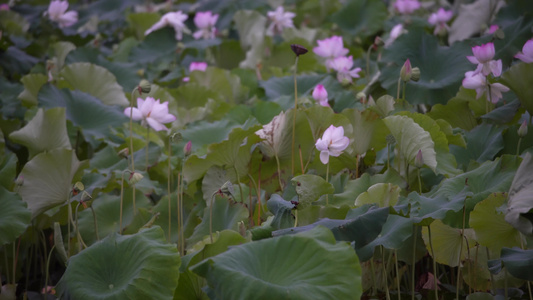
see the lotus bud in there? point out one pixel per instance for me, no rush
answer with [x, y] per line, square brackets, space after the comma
[144, 87]
[227, 189]
[419, 160]
[522, 131]
[78, 187]
[499, 34]
[361, 97]
[415, 74]
[187, 149]
[124, 153]
[405, 72]
[135, 177]
[298, 49]
[176, 137]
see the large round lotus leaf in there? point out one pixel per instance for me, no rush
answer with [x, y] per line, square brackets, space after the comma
[519, 205]
[410, 138]
[95, 80]
[448, 243]
[488, 221]
[441, 68]
[287, 267]
[46, 131]
[48, 179]
[14, 216]
[139, 266]
[366, 127]
[382, 194]
[361, 17]
[310, 188]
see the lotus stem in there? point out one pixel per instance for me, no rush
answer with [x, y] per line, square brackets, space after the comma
[211, 216]
[387, 293]
[168, 189]
[47, 275]
[147, 145]
[327, 180]
[301, 159]
[420, 186]
[368, 60]
[294, 115]
[131, 148]
[296, 218]
[435, 277]
[95, 223]
[403, 90]
[397, 274]
[415, 233]
[505, 283]
[373, 271]
[80, 239]
[518, 146]
[398, 89]
[178, 204]
[460, 251]
[239, 183]
[259, 196]
[6, 264]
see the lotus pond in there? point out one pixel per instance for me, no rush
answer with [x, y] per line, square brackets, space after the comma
[268, 149]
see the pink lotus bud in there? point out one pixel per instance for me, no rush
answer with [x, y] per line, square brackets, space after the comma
[419, 160]
[405, 72]
[522, 131]
[187, 149]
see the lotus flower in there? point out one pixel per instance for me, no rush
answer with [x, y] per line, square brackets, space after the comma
[478, 82]
[333, 142]
[527, 52]
[151, 112]
[483, 56]
[406, 6]
[174, 19]
[395, 32]
[330, 48]
[321, 95]
[57, 12]
[439, 19]
[205, 21]
[279, 20]
[343, 66]
[196, 66]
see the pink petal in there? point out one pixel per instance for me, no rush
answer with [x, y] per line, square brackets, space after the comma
[156, 125]
[324, 157]
[135, 114]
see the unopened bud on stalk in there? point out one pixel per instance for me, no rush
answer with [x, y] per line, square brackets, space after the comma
[405, 72]
[144, 87]
[522, 131]
[298, 49]
[135, 177]
[78, 187]
[187, 149]
[419, 160]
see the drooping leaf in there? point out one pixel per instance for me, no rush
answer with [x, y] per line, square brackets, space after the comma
[310, 188]
[48, 179]
[94, 80]
[111, 270]
[410, 138]
[46, 131]
[300, 273]
[520, 204]
[282, 210]
[488, 222]
[382, 194]
[14, 216]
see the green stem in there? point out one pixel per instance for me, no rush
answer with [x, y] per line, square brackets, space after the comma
[131, 130]
[168, 189]
[460, 252]
[397, 274]
[433, 258]
[69, 210]
[491, 276]
[419, 182]
[387, 293]
[279, 172]
[368, 60]
[414, 263]
[239, 183]
[95, 223]
[296, 218]
[48, 271]
[327, 180]
[6, 264]
[518, 146]
[121, 202]
[403, 90]
[398, 89]
[374, 283]
[294, 115]
[388, 156]
[211, 216]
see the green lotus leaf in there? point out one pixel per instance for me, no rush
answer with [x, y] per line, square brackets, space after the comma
[223, 82]
[382, 194]
[277, 87]
[448, 243]
[310, 188]
[110, 269]
[383, 106]
[291, 267]
[453, 138]
[320, 118]
[8, 170]
[158, 45]
[94, 80]
[14, 216]
[457, 112]
[480, 296]
[519, 205]
[366, 127]
[394, 235]
[518, 262]
[282, 210]
[13, 23]
[32, 85]
[363, 18]
[490, 226]
[516, 79]
[424, 209]
[442, 68]
[48, 179]
[46, 131]
[226, 215]
[85, 111]
[482, 143]
[251, 27]
[140, 22]
[410, 138]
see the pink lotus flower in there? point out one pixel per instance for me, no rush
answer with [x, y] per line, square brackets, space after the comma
[439, 19]
[406, 6]
[330, 48]
[321, 95]
[57, 12]
[279, 19]
[151, 112]
[333, 142]
[4, 6]
[483, 56]
[527, 52]
[395, 32]
[478, 82]
[196, 66]
[174, 19]
[492, 29]
[343, 65]
[205, 21]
